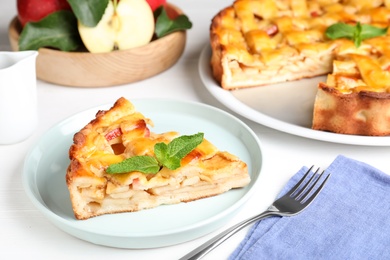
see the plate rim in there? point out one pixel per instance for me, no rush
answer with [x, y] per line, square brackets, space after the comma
[32, 190]
[227, 98]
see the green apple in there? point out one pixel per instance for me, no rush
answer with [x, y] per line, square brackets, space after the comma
[125, 24]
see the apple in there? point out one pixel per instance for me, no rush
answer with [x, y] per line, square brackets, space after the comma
[154, 4]
[128, 24]
[35, 10]
[172, 13]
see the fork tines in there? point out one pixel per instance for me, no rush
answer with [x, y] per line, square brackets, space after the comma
[302, 189]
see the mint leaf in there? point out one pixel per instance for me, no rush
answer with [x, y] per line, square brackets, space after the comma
[57, 30]
[357, 39]
[183, 145]
[89, 12]
[340, 30]
[369, 31]
[168, 155]
[161, 152]
[165, 26]
[172, 163]
[143, 163]
[356, 33]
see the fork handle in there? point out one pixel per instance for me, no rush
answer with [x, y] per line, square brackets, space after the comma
[209, 245]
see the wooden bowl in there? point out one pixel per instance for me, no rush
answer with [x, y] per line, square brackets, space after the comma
[84, 69]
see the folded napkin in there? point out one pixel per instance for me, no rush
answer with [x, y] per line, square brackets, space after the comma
[349, 219]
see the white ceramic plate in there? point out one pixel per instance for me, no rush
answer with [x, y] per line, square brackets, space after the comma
[45, 166]
[286, 107]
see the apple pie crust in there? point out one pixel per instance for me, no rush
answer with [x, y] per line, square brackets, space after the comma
[356, 97]
[261, 42]
[122, 132]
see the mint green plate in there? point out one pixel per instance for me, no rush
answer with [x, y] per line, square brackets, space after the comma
[45, 167]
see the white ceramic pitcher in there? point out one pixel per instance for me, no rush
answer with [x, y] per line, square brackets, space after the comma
[18, 96]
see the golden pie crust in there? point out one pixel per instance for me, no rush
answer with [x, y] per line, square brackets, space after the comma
[357, 113]
[122, 132]
[355, 98]
[262, 42]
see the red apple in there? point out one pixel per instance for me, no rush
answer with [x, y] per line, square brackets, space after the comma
[172, 13]
[154, 4]
[35, 10]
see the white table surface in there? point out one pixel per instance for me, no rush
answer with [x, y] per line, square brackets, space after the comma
[25, 232]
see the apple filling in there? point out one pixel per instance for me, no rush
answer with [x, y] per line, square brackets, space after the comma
[124, 191]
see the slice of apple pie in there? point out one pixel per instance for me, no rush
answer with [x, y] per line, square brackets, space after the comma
[106, 174]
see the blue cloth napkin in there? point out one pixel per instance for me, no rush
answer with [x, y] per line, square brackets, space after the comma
[350, 219]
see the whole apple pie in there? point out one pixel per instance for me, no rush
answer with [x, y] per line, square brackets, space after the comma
[261, 42]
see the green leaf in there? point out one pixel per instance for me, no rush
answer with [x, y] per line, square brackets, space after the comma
[165, 26]
[172, 163]
[89, 12]
[356, 33]
[357, 39]
[183, 145]
[168, 155]
[369, 31]
[57, 30]
[161, 152]
[340, 30]
[144, 164]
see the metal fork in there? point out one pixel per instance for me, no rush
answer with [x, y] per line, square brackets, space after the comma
[295, 201]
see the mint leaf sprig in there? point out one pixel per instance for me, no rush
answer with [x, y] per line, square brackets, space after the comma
[168, 155]
[356, 33]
